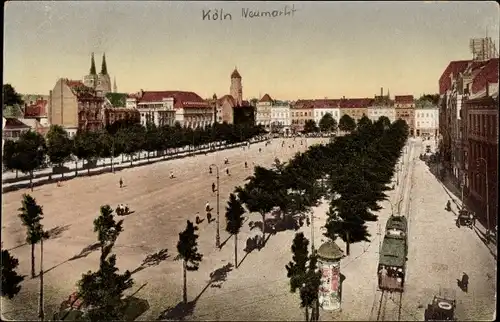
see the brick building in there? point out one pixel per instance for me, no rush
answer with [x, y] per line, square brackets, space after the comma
[300, 112]
[480, 115]
[356, 108]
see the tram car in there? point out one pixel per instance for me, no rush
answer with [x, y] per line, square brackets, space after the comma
[393, 255]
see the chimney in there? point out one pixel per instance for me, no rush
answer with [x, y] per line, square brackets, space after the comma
[381, 91]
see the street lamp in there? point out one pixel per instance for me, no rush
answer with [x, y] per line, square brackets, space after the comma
[217, 234]
[478, 161]
[41, 313]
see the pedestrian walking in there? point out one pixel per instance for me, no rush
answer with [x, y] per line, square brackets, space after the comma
[246, 164]
[227, 171]
[209, 217]
[197, 218]
[172, 175]
[213, 186]
[465, 282]
[207, 206]
[210, 170]
[121, 182]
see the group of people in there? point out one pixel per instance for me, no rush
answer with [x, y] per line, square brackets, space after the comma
[208, 211]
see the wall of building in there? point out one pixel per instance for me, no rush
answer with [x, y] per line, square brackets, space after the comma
[355, 113]
[63, 106]
[320, 112]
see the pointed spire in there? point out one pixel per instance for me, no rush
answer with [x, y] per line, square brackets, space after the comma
[92, 65]
[104, 68]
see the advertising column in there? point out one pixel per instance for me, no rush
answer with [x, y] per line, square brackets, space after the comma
[329, 256]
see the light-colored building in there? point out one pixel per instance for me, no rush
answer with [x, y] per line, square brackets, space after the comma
[356, 108]
[263, 112]
[405, 110]
[426, 119]
[382, 106]
[326, 106]
[115, 109]
[300, 112]
[167, 107]
[280, 116]
[12, 129]
[75, 106]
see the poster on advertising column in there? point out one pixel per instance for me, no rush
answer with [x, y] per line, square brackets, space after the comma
[329, 289]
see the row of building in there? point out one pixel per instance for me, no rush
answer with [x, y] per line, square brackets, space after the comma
[92, 103]
[468, 112]
[421, 115]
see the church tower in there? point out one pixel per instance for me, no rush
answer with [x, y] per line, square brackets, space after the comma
[236, 89]
[103, 80]
[90, 80]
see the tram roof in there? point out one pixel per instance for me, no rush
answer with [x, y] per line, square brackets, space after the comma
[393, 252]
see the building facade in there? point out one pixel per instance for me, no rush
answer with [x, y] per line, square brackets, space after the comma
[37, 110]
[75, 106]
[115, 109]
[280, 117]
[167, 107]
[326, 106]
[356, 108]
[405, 110]
[263, 112]
[426, 120]
[300, 112]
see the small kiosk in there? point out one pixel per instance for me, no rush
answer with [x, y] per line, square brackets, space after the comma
[329, 256]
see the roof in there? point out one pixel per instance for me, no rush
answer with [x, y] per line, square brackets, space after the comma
[454, 67]
[392, 252]
[403, 99]
[235, 74]
[487, 75]
[181, 99]
[73, 83]
[356, 102]
[32, 123]
[232, 101]
[326, 103]
[330, 251]
[266, 99]
[397, 222]
[13, 111]
[39, 109]
[13, 123]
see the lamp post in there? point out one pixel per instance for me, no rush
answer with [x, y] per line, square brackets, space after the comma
[479, 160]
[41, 314]
[217, 234]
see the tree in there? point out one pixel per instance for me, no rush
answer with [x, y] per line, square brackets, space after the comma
[10, 96]
[102, 291]
[187, 247]
[31, 153]
[327, 123]
[303, 273]
[347, 123]
[85, 147]
[107, 230]
[310, 126]
[234, 221]
[31, 215]
[10, 278]
[59, 145]
[10, 156]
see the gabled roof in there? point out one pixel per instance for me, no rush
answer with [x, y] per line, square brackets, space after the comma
[13, 123]
[266, 99]
[181, 99]
[487, 75]
[403, 99]
[326, 103]
[454, 67]
[235, 74]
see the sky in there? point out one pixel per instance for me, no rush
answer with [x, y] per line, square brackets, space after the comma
[325, 49]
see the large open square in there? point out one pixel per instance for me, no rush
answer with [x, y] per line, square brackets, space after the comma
[161, 207]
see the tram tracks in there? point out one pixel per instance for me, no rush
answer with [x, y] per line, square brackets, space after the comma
[392, 312]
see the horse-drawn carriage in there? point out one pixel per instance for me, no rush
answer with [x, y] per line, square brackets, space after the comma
[442, 307]
[465, 218]
[122, 210]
